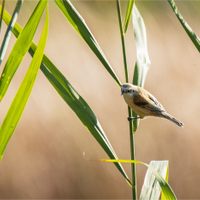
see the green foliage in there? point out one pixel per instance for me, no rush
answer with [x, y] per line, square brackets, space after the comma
[80, 107]
[81, 27]
[20, 48]
[128, 14]
[16, 109]
[9, 29]
[131, 129]
[143, 63]
[194, 38]
[73, 99]
[1, 16]
[157, 171]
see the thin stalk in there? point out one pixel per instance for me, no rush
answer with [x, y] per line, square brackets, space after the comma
[132, 149]
[123, 41]
[9, 29]
[132, 146]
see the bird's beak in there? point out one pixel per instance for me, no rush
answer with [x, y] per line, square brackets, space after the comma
[122, 92]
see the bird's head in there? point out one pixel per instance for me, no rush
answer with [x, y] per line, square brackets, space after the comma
[128, 89]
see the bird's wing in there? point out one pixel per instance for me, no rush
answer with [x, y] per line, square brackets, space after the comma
[147, 101]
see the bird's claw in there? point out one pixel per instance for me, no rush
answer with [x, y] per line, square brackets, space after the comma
[132, 118]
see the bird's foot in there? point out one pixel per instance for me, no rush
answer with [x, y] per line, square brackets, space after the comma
[132, 118]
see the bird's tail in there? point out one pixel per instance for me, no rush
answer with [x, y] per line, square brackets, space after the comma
[171, 118]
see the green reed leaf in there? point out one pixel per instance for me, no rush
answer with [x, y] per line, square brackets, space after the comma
[82, 29]
[1, 16]
[151, 188]
[187, 28]
[9, 29]
[19, 102]
[20, 48]
[73, 99]
[143, 63]
[128, 14]
[155, 168]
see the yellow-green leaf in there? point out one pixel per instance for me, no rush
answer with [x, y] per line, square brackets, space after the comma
[19, 102]
[9, 29]
[73, 99]
[1, 16]
[187, 28]
[128, 14]
[151, 188]
[166, 189]
[20, 48]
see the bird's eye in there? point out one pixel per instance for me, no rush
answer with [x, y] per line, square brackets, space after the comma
[129, 90]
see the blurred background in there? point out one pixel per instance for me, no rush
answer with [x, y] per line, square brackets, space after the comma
[44, 158]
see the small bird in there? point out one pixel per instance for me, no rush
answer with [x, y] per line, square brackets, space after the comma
[144, 104]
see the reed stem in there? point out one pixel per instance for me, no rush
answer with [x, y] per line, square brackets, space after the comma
[132, 146]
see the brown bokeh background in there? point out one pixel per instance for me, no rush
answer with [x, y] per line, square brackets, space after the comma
[44, 158]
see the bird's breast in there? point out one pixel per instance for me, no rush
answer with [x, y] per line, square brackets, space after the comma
[139, 110]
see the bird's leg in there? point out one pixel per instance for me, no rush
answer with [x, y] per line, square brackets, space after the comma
[132, 118]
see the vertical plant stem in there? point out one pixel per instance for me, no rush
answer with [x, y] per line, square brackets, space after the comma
[132, 146]
[132, 149]
[9, 29]
[123, 41]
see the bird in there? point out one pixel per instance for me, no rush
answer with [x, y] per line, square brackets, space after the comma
[145, 104]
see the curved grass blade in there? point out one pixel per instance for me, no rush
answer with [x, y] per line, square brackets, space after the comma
[166, 189]
[9, 30]
[187, 28]
[81, 109]
[128, 14]
[73, 99]
[1, 17]
[151, 189]
[143, 63]
[81, 27]
[19, 102]
[20, 48]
